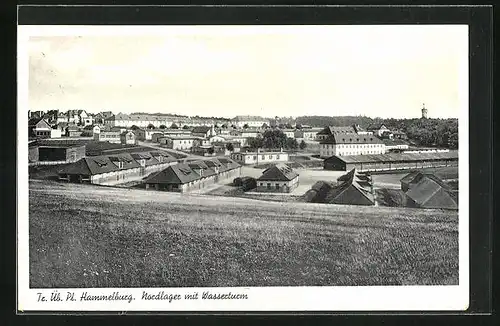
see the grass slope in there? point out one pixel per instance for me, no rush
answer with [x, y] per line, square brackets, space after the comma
[87, 236]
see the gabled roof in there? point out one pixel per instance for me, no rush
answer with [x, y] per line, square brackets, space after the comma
[128, 161]
[175, 174]
[330, 130]
[90, 166]
[166, 157]
[201, 130]
[410, 176]
[38, 122]
[147, 157]
[376, 126]
[349, 182]
[428, 190]
[416, 176]
[278, 172]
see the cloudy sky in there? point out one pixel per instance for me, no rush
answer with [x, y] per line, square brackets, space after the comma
[385, 71]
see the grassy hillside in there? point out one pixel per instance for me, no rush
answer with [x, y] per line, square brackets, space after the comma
[87, 236]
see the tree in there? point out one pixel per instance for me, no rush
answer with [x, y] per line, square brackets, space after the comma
[230, 147]
[291, 143]
[151, 126]
[255, 142]
[185, 127]
[134, 127]
[211, 150]
[288, 126]
[246, 126]
[265, 126]
[163, 127]
[298, 126]
[303, 144]
[174, 126]
[273, 138]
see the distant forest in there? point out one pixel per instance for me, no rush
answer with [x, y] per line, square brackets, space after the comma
[423, 132]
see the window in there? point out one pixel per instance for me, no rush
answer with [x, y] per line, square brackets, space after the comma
[268, 186]
[277, 157]
[262, 183]
[270, 157]
[263, 157]
[277, 186]
[255, 157]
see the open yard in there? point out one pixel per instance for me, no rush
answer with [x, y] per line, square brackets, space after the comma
[89, 236]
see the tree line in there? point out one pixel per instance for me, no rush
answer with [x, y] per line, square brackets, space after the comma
[275, 139]
[422, 132]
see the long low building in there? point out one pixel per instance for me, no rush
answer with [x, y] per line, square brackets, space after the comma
[115, 168]
[260, 157]
[195, 175]
[391, 161]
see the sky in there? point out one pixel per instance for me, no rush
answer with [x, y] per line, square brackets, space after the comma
[376, 71]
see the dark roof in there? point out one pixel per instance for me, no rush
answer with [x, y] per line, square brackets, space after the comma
[33, 122]
[278, 172]
[175, 174]
[376, 126]
[90, 166]
[147, 157]
[427, 192]
[200, 165]
[201, 130]
[415, 177]
[350, 182]
[166, 157]
[396, 157]
[128, 161]
[351, 138]
[410, 176]
[330, 130]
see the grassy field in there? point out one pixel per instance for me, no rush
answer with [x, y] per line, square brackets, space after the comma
[88, 236]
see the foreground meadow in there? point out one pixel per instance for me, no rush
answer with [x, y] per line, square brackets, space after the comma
[88, 236]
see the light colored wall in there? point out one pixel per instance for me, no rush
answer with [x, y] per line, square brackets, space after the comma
[327, 150]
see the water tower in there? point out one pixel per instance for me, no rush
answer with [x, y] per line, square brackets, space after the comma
[424, 111]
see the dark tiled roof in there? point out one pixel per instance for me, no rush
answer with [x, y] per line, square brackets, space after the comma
[330, 130]
[350, 181]
[174, 174]
[278, 172]
[376, 126]
[428, 190]
[147, 157]
[201, 130]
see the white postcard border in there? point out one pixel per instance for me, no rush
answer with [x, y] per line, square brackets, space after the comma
[356, 298]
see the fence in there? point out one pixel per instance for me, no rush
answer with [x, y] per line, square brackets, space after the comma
[47, 163]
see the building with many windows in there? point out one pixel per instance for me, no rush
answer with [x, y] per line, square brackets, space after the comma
[342, 144]
[260, 157]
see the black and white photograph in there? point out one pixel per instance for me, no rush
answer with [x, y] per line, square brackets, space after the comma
[243, 167]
